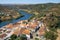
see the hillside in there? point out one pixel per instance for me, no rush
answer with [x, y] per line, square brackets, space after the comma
[48, 13]
[8, 13]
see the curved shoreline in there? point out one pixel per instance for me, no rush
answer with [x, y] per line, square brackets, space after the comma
[25, 17]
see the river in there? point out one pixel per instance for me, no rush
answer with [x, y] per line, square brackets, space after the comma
[25, 17]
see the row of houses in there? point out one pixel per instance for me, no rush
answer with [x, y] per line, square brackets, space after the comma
[23, 27]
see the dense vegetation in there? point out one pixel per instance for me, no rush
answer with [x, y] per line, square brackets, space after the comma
[20, 37]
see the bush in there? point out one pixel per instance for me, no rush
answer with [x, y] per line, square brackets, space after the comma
[36, 38]
[18, 38]
[23, 37]
[13, 37]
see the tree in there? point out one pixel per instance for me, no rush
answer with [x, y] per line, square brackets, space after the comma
[23, 37]
[18, 38]
[13, 37]
[50, 35]
[36, 38]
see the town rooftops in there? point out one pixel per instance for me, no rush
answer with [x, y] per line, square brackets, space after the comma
[9, 26]
[26, 31]
[18, 31]
[33, 25]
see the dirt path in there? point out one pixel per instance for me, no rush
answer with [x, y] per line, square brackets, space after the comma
[58, 30]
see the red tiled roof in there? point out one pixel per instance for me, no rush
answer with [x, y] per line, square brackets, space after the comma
[9, 26]
[17, 31]
[34, 25]
[26, 31]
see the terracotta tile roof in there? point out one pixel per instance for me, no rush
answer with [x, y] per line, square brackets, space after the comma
[21, 31]
[17, 31]
[16, 24]
[9, 26]
[26, 31]
[33, 25]
[23, 25]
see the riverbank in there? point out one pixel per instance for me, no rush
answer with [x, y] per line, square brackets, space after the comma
[10, 17]
[25, 16]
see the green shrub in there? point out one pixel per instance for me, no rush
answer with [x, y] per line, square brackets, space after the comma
[36, 38]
